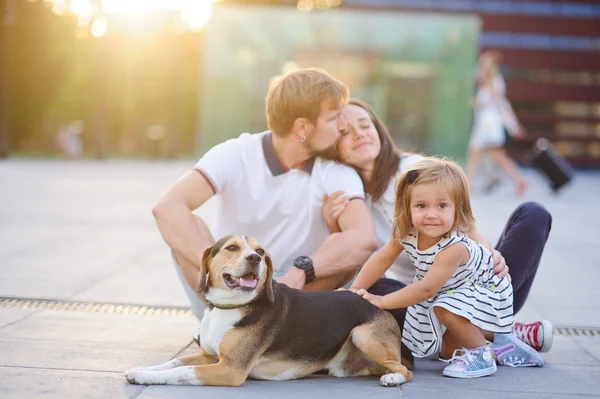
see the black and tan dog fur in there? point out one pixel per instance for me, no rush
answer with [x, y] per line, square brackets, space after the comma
[254, 327]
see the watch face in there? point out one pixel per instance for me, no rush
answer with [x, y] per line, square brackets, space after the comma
[302, 260]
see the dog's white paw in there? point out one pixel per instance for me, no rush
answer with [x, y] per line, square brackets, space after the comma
[392, 380]
[138, 376]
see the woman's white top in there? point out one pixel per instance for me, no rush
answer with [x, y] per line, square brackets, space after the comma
[488, 126]
[383, 215]
[485, 99]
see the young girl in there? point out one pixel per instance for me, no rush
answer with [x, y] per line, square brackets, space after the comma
[456, 301]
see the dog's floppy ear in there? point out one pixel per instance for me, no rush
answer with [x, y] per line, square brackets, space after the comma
[269, 282]
[202, 277]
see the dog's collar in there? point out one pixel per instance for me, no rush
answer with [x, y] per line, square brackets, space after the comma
[228, 307]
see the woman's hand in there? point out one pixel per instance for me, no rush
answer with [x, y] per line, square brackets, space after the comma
[333, 206]
[520, 133]
[374, 299]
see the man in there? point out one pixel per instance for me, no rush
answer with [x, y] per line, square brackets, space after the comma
[271, 186]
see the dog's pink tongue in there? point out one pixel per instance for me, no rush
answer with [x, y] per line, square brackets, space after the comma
[248, 282]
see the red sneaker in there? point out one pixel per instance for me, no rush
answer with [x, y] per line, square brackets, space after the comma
[538, 335]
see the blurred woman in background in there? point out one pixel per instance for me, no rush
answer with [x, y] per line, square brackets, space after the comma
[492, 114]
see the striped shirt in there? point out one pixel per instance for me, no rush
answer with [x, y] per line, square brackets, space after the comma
[473, 292]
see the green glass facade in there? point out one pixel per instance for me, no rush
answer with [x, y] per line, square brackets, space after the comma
[417, 70]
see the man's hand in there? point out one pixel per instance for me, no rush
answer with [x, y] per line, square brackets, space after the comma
[500, 266]
[294, 278]
[374, 299]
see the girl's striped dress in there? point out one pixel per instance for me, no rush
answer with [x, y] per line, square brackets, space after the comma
[473, 292]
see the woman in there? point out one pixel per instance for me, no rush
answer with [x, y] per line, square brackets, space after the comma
[369, 148]
[492, 114]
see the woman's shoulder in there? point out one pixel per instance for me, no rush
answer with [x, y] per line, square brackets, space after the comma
[407, 159]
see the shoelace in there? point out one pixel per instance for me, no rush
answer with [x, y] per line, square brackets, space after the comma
[527, 333]
[466, 357]
[513, 361]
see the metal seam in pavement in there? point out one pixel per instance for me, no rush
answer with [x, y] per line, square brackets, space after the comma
[177, 311]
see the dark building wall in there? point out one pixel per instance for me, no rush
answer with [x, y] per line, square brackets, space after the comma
[551, 63]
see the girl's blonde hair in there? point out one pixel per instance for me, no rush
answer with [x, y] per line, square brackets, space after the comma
[433, 170]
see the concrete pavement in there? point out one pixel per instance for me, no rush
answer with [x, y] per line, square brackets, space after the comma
[83, 231]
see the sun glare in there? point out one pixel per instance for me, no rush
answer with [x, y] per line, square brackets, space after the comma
[192, 14]
[82, 7]
[99, 26]
[195, 14]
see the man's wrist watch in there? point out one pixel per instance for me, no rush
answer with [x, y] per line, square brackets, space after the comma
[305, 263]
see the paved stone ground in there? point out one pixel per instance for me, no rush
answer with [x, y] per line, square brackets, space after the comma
[83, 231]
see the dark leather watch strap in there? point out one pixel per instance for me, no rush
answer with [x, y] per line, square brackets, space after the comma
[309, 270]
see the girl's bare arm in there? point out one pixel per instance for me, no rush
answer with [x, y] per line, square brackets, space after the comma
[377, 264]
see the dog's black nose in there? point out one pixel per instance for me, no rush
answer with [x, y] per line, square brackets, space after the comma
[253, 259]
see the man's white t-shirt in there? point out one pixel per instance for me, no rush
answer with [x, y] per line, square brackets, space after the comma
[383, 214]
[256, 195]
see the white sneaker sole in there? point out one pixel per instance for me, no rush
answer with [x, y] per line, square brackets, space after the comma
[472, 374]
[548, 336]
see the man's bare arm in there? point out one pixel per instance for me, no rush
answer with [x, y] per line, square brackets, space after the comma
[187, 235]
[349, 250]
[337, 260]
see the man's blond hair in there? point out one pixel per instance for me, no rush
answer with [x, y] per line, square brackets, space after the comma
[299, 94]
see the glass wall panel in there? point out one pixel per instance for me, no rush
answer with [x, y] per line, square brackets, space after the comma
[417, 70]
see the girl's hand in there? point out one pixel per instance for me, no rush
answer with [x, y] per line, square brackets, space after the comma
[332, 209]
[374, 299]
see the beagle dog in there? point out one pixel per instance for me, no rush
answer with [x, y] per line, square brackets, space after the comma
[255, 328]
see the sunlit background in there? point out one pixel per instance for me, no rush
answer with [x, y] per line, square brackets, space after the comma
[134, 15]
[170, 78]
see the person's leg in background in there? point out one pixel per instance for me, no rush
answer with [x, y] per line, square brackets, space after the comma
[473, 164]
[522, 244]
[491, 173]
[499, 156]
[186, 272]
[384, 286]
[196, 303]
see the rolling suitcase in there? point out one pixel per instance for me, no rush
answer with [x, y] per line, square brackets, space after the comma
[553, 166]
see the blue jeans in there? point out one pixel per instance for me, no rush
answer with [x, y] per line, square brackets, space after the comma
[521, 244]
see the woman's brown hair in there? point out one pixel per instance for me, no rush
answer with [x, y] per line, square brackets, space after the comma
[388, 160]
